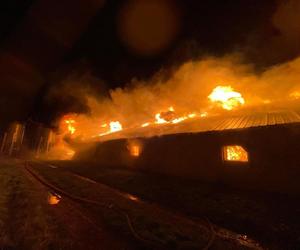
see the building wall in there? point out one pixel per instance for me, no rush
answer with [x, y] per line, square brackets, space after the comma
[274, 156]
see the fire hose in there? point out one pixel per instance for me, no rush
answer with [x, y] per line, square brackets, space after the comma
[158, 244]
[93, 202]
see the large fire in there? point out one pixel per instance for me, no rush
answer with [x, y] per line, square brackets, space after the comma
[187, 101]
[227, 97]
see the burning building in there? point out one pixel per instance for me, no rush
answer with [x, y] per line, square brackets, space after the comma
[245, 141]
[194, 125]
[256, 151]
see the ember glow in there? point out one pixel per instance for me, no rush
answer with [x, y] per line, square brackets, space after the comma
[165, 116]
[135, 150]
[134, 147]
[70, 125]
[146, 124]
[227, 97]
[235, 153]
[158, 119]
[115, 126]
[295, 95]
[180, 119]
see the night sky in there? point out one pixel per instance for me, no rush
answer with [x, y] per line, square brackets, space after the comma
[44, 42]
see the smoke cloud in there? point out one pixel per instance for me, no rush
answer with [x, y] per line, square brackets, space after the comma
[187, 92]
[278, 39]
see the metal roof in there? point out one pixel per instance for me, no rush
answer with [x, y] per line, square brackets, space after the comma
[247, 121]
[213, 123]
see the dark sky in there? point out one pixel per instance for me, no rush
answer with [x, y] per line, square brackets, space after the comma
[212, 27]
[44, 41]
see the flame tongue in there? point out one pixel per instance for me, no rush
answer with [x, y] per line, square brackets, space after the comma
[115, 126]
[70, 125]
[227, 97]
[165, 117]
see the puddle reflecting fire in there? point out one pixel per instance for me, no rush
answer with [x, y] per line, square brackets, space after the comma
[53, 198]
[131, 197]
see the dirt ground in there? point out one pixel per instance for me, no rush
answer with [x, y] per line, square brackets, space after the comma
[152, 225]
[270, 218]
[28, 221]
[136, 210]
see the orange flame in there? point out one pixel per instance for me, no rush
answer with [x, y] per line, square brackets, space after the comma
[224, 95]
[295, 95]
[159, 120]
[115, 126]
[70, 125]
[227, 97]
[146, 124]
[235, 153]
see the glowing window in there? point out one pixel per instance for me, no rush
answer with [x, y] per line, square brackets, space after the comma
[135, 150]
[235, 153]
[134, 147]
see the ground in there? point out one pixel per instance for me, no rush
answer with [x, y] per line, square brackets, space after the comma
[115, 208]
[27, 221]
[272, 219]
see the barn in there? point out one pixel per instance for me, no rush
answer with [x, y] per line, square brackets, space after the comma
[258, 151]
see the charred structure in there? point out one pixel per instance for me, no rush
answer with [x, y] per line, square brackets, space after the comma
[263, 156]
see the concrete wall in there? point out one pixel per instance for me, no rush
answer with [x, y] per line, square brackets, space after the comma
[274, 156]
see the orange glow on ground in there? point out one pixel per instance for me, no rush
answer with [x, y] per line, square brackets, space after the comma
[53, 199]
[131, 197]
